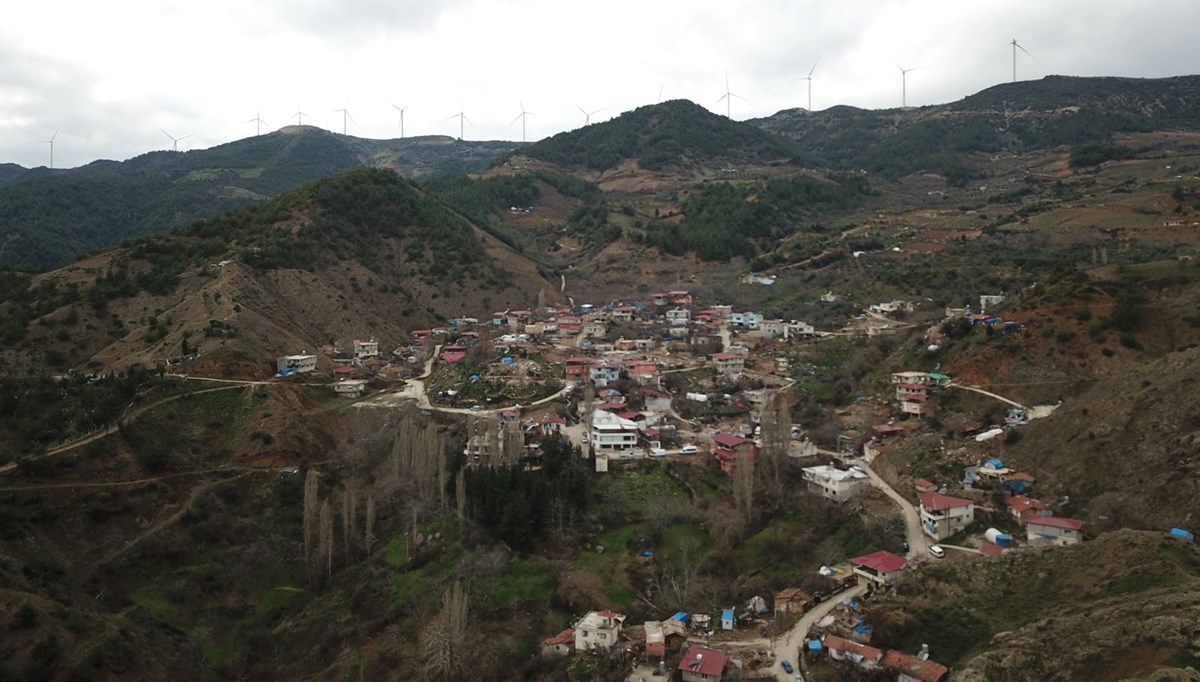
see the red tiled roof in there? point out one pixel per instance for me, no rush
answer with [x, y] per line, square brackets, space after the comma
[1022, 504]
[565, 637]
[729, 440]
[1056, 522]
[453, 356]
[887, 428]
[552, 419]
[926, 671]
[581, 361]
[1019, 476]
[869, 653]
[702, 660]
[882, 561]
[938, 501]
[923, 483]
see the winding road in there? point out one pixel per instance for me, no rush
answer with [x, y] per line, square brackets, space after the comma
[788, 646]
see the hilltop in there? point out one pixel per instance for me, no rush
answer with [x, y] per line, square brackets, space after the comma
[958, 139]
[49, 217]
[362, 254]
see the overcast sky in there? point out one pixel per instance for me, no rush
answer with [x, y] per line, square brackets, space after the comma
[108, 79]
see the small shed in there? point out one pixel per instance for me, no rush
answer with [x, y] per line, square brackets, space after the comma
[728, 619]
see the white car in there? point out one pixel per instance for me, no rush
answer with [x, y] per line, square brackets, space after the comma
[658, 452]
[689, 449]
[936, 551]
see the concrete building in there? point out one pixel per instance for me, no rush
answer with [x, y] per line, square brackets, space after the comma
[678, 317]
[298, 364]
[701, 664]
[598, 631]
[945, 515]
[880, 567]
[835, 484]
[611, 434]
[728, 363]
[1053, 530]
[351, 388]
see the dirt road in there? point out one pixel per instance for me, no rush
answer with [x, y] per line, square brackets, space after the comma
[918, 544]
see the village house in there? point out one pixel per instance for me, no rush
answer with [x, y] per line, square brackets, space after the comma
[623, 314]
[598, 631]
[921, 378]
[799, 330]
[891, 307]
[624, 344]
[602, 375]
[772, 328]
[296, 364]
[657, 401]
[660, 298]
[595, 329]
[553, 424]
[880, 567]
[792, 600]
[366, 349]
[452, 353]
[559, 645]
[578, 368]
[351, 388]
[642, 371]
[945, 515]
[904, 391]
[678, 317]
[917, 405]
[680, 298]
[989, 301]
[835, 484]
[612, 434]
[728, 363]
[865, 657]
[1054, 530]
[911, 668]
[728, 448]
[701, 664]
[1023, 508]
[924, 485]
[746, 320]
[664, 637]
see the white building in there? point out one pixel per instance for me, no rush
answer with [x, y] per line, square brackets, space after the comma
[678, 317]
[989, 301]
[746, 320]
[945, 515]
[598, 631]
[366, 349]
[350, 387]
[835, 484]
[610, 433]
[296, 363]
[799, 330]
[1054, 530]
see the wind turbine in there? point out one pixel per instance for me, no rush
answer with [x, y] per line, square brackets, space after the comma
[51, 143]
[401, 110]
[728, 97]
[660, 89]
[174, 140]
[522, 116]
[258, 123]
[904, 84]
[299, 116]
[587, 115]
[1017, 46]
[461, 117]
[345, 114]
[809, 78]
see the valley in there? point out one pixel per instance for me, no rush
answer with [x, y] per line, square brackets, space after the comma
[842, 395]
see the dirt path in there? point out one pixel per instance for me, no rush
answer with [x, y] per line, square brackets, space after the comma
[163, 523]
[989, 394]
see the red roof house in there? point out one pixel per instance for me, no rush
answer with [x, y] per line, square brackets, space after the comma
[701, 664]
[912, 669]
[879, 567]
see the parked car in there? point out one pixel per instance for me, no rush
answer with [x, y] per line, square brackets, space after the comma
[689, 449]
[658, 452]
[936, 551]
[787, 666]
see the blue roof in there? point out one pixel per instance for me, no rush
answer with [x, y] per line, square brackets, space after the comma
[681, 616]
[1181, 533]
[727, 613]
[814, 645]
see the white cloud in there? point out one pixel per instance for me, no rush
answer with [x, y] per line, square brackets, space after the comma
[110, 79]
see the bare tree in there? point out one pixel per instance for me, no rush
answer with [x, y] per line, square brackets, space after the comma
[460, 498]
[325, 541]
[776, 430]
[444, 645]
[369, 522]
[312, 483]
[743, 486]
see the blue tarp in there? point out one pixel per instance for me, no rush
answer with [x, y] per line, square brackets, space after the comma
[681, 616]
[994, 463]
[1183, 534]
[814, 645]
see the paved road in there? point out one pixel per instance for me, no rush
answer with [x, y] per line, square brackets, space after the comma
[786, 647]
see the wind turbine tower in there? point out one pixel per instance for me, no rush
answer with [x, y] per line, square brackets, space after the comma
[809, 78]
[51, 143]
[522, 116]
[904, 84]
[299, 116]
[174, 140]
[728, 97]
[345, 111]
[258, 123]
[1017, 46]
[462, 117]
[401, 110]
[587, 115]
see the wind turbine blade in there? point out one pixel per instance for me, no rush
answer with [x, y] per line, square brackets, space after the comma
[720, 99]
[467, 119]
[184, 137]
[351, 117]
[814, 68]
[167, 134]
[518, 118]
[581, 110]
[596, 111]
[1019, 47]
